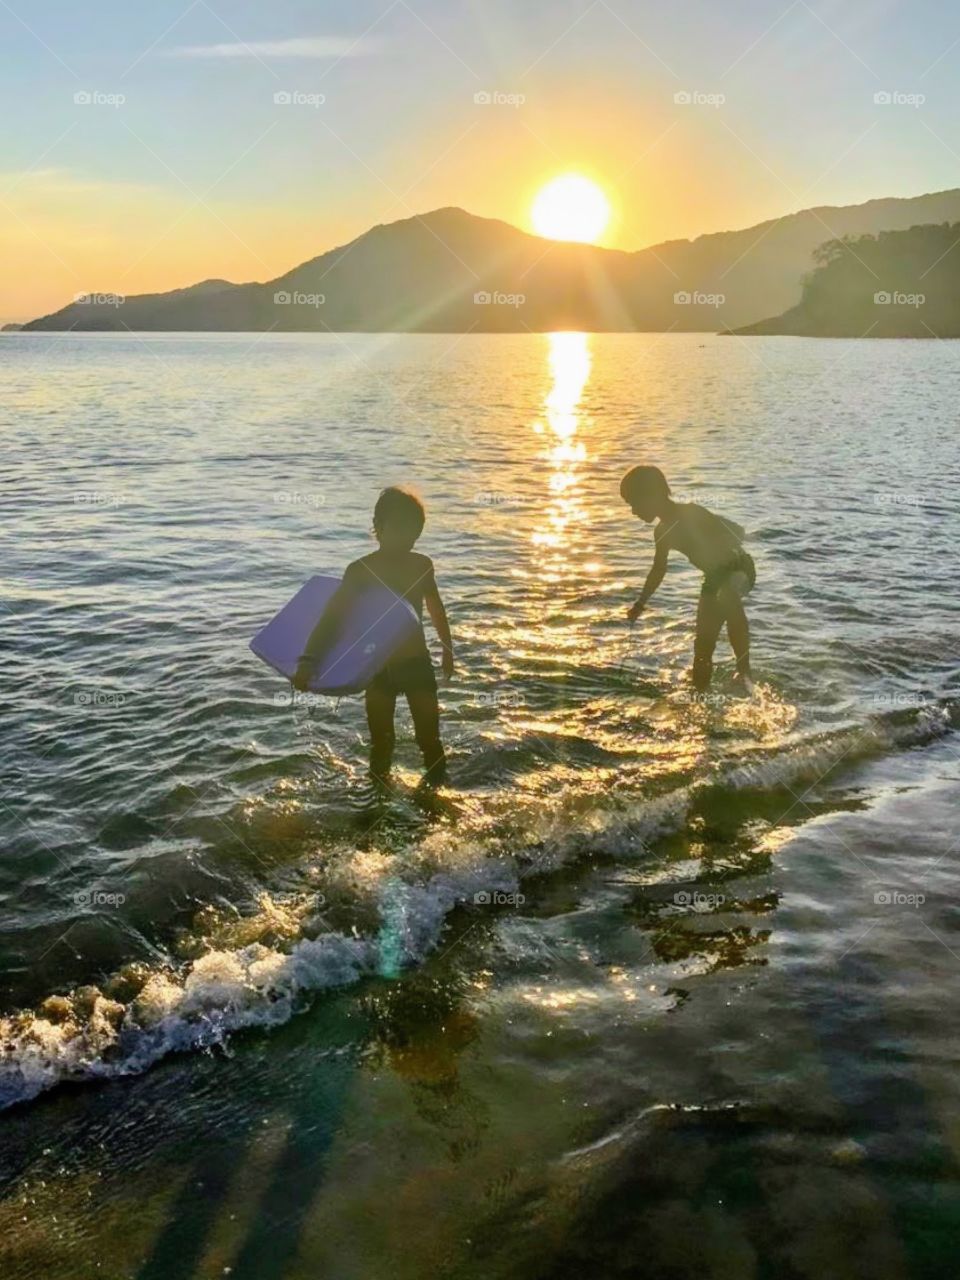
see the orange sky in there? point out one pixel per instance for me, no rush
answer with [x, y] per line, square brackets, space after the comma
[199, 174]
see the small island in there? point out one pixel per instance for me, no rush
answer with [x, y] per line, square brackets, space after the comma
[897, 284]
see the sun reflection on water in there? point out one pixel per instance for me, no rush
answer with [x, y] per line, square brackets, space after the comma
[569, 361]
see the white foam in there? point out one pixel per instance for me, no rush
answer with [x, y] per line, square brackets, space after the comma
[231, 988]
[227, 990]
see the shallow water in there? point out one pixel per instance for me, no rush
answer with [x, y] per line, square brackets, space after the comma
[189, 854]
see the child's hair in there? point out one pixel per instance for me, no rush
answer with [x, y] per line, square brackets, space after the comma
[648, 481]
[402, 507]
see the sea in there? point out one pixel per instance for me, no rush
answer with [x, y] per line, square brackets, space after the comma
[661, 984]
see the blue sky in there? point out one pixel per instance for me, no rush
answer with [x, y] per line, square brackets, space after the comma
[199, 172]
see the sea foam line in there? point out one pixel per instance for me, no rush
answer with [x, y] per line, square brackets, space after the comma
[229, 990]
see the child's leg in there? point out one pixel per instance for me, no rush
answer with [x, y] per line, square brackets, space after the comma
[381, 705]
[426, 726]
[709, 622]
[738, 628]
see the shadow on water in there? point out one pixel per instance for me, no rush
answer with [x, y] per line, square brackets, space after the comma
[271, 1236]
[859, 1182]
[417, 1029]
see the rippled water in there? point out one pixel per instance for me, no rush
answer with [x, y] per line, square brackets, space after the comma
[187, 852]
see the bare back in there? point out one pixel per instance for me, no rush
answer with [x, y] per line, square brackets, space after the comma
[707, 540]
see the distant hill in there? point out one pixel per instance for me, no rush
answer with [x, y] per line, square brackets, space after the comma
[898, 284]
[449, 271]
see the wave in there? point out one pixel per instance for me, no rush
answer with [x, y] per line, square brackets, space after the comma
[90, 1035]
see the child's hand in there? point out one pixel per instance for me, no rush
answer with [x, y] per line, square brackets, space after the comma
[447, 666]
[635, 610]
[301, 677]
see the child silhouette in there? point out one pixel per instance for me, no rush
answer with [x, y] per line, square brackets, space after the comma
[714, 545]
[398, 520]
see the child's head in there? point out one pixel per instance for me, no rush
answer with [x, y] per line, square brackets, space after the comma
[398, 519]
[646, 492]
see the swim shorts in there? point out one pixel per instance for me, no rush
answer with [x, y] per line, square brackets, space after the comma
[408, 675]
[740, 573]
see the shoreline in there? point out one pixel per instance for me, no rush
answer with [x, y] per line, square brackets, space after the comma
[423, 1103]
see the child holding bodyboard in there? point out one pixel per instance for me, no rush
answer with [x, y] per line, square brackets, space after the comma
[398, 520]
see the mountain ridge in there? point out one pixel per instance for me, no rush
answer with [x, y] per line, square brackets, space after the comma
[449, 270]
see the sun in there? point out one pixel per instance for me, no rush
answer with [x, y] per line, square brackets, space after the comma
[571, 207]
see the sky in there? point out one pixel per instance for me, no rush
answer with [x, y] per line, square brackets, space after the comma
[144, 147]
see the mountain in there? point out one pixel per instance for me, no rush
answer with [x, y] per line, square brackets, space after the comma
[449, 271]
[898, 284]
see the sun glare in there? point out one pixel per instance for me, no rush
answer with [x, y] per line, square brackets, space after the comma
[571, 207]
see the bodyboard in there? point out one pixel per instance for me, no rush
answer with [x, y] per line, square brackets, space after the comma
[377, 623]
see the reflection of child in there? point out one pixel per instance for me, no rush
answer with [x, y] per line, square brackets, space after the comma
[711, 543]
[398, 520]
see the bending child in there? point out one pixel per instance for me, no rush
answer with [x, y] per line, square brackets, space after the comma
[714, 545]
[398, 520]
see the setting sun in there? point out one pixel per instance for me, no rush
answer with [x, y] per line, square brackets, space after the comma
[571, 208]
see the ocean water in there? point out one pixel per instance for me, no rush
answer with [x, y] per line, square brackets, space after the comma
[659, 980]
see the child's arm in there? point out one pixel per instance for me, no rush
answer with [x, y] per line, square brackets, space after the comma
[438, 616]
[325, 632]
[654, 577]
